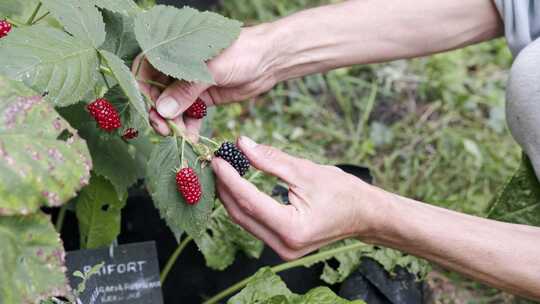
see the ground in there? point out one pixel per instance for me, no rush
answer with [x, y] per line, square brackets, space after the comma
[432, 129]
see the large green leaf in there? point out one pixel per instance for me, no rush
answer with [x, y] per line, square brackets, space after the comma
[161, 170]
[268, 288]
[125, 7]
[32, 263]
[129, 86]
[179, 41]
[50, 61]
[9, 7]
[120, 38]
[80, 18]
[223, 239]
[98, 210]
[110, 154]
[519, 201]
[43, 161]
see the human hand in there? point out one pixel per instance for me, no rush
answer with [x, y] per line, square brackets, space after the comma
[326, 204]
[240, 72]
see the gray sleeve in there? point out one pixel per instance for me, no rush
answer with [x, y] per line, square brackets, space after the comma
[521, 22]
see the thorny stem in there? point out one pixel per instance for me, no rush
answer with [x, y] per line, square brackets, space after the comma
[34, 14]
[173, 258]
[41, 17]
[310, 259]
[60, 219]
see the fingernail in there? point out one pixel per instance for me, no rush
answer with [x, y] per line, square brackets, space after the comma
[168, 107]
[247, 142]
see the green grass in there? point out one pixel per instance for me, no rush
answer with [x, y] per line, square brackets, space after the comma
[432, 129]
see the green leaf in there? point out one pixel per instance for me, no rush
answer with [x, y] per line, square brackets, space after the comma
[120, 38]
[98, 210]
[268, 288]
[43, 162]
[124, 7]
[9, 7]
[129, 85]
[111, 155]
[161, 171]
[179, 41]
[519, 201]
[80, 18]
[32, 263]
[49, 60]
[223, 239]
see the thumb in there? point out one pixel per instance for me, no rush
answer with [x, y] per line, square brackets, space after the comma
[273, 161]
[178, 97]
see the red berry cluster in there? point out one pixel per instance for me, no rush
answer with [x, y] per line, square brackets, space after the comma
[188, 185]
[130, 133]
[5, 28]
[197, 109]
[105, 114]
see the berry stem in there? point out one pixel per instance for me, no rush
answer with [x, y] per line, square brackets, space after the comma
[209, 140]
[14, 23]
[151, 82]
[308, 260]
[60, 219]
[173, 258]
[34, 14]
[41, 18]
[182, 153]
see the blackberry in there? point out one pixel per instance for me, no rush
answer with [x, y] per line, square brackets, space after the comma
[231, 154]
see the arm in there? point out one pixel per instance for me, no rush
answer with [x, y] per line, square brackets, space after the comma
[328, 204]
[367, 31]
[320, 39]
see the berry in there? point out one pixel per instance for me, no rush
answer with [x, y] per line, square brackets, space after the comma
[105, 114]
[5, 28]
[130, 133]
[188, 185]
[197, 109]
[230, 153]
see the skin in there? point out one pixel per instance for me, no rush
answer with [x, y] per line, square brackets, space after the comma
[326, 203]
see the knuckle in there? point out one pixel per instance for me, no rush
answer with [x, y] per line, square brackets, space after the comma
[288, 255]
[296, 240]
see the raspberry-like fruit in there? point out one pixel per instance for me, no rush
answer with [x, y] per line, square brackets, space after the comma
[230, 153]
[188, 185]
[197, 109]
[105, 114]
[5, 28]
[130, 133]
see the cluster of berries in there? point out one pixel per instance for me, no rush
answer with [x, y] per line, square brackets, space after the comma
[188, 182]
[108, 118]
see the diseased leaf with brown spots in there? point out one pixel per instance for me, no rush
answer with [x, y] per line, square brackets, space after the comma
[32, 264]
[43, 161]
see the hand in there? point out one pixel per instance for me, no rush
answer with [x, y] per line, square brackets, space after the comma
[240, 72]
[326, 204]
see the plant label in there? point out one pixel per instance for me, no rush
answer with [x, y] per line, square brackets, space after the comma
[128, 274]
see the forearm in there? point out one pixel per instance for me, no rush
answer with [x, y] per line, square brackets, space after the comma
[368, 31]
[503, 255]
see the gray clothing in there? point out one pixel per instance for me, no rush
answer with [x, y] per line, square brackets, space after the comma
[521, 22]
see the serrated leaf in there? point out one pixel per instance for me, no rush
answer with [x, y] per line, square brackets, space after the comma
[268, 288]
[223, 239]
[120, 38]
[49, 60]
[43, 161]
[98, 210]
[124, 7]
[519, 201]
[129, 85]
[32, 263]
[161, 171]
[179, 41]
[110, 154]
[80, 18]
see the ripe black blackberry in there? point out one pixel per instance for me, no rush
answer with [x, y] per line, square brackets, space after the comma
[231, 154]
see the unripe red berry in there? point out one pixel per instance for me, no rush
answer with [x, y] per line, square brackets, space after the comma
[5, 28]
[105, 114]
[197, 109]
[188, 185]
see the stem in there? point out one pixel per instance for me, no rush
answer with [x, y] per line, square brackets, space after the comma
[14, 23]
[182, 154]
[209, 140]
[34, 14]
[151, 82]
[60, 219]
[102, 70]
[310, 259]
[139, 66]
[106, 70]
[173, 258]
[41, 17]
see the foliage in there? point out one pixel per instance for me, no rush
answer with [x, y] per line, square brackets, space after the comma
[267, 287]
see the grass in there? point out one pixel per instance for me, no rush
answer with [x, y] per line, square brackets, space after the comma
[432, 128]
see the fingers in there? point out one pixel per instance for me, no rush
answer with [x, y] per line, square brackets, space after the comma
[273, 161]
[158, 123]
[178, 97]
[145, 72]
